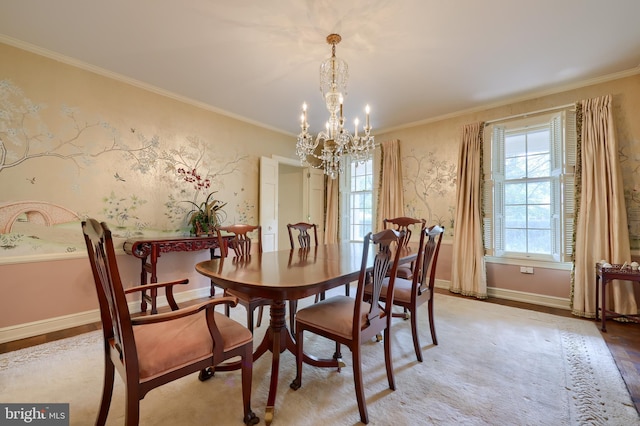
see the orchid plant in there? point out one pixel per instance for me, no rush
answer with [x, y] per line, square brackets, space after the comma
[204, 217]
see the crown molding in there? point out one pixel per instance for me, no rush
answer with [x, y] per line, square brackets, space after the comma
[131, 81]
[522, 98]
[124, 79]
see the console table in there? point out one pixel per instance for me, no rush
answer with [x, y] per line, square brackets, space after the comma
[149, 250]
[615, 272]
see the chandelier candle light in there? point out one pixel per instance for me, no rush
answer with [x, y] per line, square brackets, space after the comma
[329, 146]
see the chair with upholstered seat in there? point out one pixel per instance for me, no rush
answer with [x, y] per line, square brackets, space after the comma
[413, 293]
[408, 225]
[241, 245]
[150, 351]
[352, 321]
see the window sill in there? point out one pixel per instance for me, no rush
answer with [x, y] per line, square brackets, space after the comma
[565, 266]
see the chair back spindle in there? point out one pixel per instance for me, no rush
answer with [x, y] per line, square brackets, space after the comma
[427, 276]
[385, 263]
[241, 242]
[304, 235]
[114, 312]
[406, 224]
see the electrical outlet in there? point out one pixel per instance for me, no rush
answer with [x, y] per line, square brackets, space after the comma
[526, 269]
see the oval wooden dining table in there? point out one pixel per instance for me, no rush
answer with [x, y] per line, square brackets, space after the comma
[288, 275]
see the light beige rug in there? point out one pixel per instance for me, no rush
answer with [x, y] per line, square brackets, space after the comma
[495, 365]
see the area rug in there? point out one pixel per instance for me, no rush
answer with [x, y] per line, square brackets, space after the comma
[494, 365]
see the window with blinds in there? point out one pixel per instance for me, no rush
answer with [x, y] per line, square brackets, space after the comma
[528, 196]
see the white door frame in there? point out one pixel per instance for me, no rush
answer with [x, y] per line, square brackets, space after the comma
[265, 204]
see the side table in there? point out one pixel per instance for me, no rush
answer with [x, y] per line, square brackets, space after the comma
[149, 250]
[615, 272]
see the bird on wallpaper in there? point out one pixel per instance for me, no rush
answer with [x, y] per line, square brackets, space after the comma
[32, 180]
[118, 177]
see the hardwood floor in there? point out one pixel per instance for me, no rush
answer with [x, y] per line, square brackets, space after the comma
[623, 340]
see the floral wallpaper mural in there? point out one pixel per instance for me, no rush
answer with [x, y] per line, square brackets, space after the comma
[630, 165]
[62, 163]
[430, 186]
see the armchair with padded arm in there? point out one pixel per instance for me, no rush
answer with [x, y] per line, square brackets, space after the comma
[150, 351]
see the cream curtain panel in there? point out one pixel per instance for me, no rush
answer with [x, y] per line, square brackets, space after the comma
[390, 193]
[468, 273]
[333, 211]
[601, 226]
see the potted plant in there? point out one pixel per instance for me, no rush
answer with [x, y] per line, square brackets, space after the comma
[206, 216]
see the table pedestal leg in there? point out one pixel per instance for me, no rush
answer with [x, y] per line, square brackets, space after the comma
[277, 339]
[281, 340]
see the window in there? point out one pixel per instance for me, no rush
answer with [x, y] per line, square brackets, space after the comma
[529, 187]
[356, 198]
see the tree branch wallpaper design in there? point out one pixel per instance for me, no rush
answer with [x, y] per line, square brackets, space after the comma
[430, 185]
[58, 167]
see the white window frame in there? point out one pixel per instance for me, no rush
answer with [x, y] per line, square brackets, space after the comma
[563, 159]
[345, 197]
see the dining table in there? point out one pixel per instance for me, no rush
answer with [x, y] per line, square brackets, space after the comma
[284, 275]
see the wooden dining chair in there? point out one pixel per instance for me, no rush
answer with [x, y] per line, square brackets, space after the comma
[304, 234]
[241, 245]
[304, 242]
[352, 321]
[150, 351]
[413, 293]
[408, 225]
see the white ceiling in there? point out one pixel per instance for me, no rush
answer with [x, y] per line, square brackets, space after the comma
[411, 60]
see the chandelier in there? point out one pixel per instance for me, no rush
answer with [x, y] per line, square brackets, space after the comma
[327, 149]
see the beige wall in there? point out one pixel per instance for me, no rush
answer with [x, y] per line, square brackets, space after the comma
[126, 155]
[34, 288]
[429, 154]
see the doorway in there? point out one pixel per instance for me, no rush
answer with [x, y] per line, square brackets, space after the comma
[289, 193]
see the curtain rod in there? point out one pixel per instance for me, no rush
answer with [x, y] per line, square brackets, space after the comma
[526, 114]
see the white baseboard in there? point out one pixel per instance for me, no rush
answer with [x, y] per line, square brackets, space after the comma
[519, 296]
[36, 328]
[535, 299]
